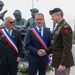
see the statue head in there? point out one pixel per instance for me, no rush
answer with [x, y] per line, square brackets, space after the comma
[34, 11]
[17, 15]
[1, 5]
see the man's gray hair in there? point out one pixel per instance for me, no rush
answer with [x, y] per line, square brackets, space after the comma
[5, 20]
[39, 14]
[60, 12]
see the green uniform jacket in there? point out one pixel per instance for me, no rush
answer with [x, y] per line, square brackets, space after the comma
[62, 46]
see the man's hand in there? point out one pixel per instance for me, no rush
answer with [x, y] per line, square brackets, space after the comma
[61, 68]
[18, 59]
[41, 52]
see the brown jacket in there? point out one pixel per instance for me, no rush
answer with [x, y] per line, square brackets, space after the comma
[62, 46]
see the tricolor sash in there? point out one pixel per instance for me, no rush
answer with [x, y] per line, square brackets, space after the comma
[9, 39]
[44, 44]
[39, 37]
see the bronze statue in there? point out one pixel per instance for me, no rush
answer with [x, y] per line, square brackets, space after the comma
[30, 22]
[19, 21]
[2, 14]
[1, 5]
[19, 25]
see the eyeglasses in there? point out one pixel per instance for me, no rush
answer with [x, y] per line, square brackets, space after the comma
[11, 22]
[38, 19]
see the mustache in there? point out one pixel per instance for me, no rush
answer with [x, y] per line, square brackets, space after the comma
[39, 23]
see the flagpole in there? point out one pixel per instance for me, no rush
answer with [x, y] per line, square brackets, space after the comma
[32, 3]
[74, 25]
[74, 29]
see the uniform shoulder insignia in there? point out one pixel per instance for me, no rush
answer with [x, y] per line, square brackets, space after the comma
[66, 31]
[66, 26]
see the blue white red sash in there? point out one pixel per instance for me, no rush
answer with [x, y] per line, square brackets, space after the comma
[39, 37]
[43, 43]
[9, 39]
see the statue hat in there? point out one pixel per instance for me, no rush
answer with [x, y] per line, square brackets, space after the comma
[34, 10]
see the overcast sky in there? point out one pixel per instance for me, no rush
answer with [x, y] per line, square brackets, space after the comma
[44, 6]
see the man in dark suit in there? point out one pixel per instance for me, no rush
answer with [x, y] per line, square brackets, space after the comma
[33, 44]
[10, 48]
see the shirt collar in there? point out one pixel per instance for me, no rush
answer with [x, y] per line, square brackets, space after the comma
[39, 28]
[8, 30]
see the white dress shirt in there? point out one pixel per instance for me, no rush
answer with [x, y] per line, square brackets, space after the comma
[41, 30]
[10, 31]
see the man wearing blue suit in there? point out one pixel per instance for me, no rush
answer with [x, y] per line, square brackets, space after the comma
[35, 41]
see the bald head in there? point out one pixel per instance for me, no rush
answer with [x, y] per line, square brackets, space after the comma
[7, 19]
[9, 23]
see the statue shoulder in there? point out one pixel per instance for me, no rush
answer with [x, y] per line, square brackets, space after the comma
[24, 19]
[29, 19]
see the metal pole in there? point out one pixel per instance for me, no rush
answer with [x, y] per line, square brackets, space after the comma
[74, 29]
[74, 25]
[32, 3]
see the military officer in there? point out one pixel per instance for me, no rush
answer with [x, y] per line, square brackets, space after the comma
[62, 44]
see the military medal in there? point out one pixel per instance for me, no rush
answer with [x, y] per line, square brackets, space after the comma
[57, 32]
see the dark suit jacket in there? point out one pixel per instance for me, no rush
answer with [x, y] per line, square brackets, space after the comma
[7, 54]
[33, 45]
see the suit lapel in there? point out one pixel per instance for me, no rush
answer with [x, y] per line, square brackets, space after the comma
[44, 32]
[13, 33]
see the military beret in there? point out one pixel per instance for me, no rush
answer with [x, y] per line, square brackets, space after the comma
[55, 10]
[34, 10]
[1, 3]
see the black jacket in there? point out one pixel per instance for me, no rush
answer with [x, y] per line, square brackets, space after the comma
[7, 54]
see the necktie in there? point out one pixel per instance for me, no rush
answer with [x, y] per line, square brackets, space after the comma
[9, 32]
[40, 31]
[54, 26]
